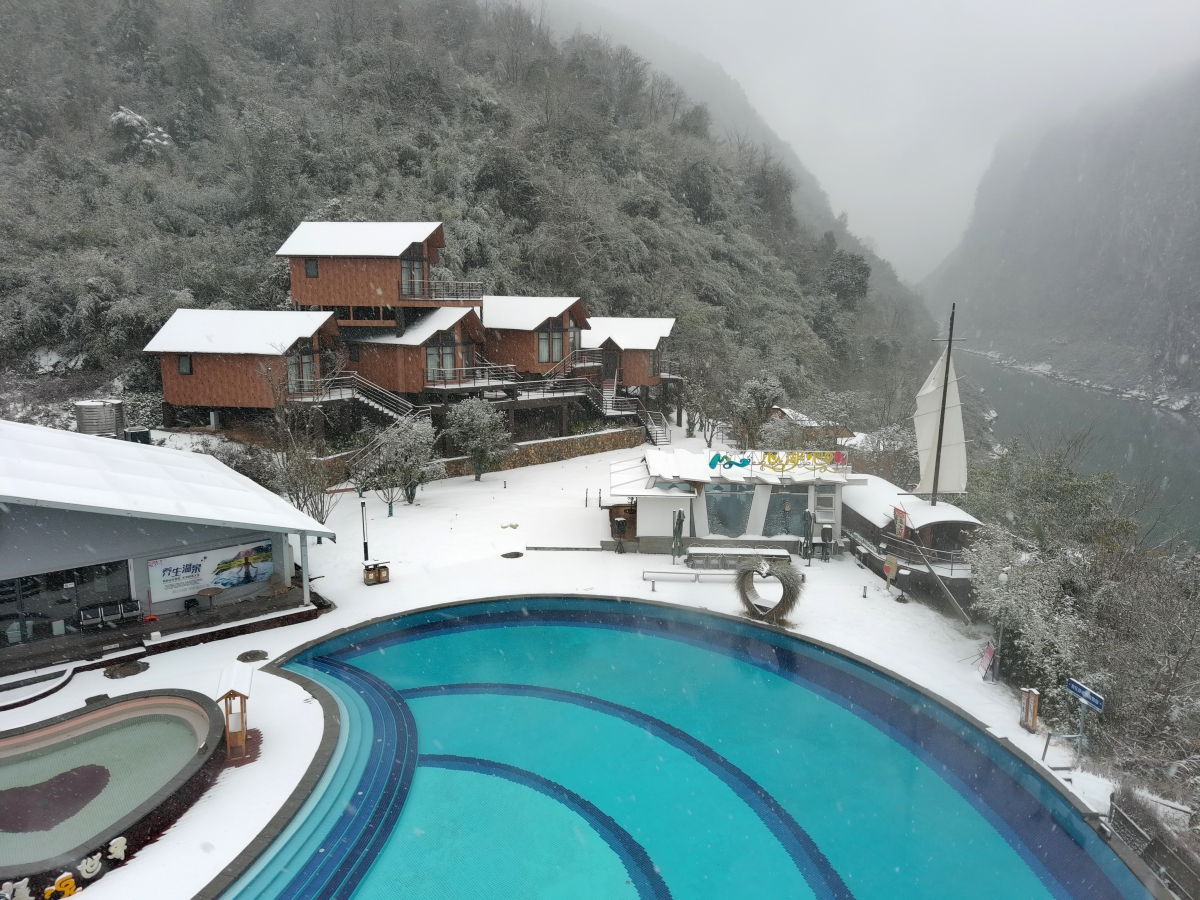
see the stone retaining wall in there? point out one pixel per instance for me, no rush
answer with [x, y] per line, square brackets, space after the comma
[534, 453]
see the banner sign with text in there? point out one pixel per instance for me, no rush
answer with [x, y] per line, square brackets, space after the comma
[1086, 695]
[183, 576]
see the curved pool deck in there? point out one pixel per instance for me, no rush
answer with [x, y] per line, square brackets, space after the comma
[117, 769]
[558, 747]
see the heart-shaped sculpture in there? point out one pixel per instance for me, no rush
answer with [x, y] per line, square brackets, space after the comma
[39, 807]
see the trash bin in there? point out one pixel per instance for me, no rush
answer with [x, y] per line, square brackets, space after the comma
[138, 434]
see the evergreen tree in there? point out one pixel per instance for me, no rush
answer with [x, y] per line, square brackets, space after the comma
[405, 461]
[478, 431]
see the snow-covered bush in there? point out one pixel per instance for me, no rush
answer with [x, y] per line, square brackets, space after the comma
[140, 137]
[405, 461]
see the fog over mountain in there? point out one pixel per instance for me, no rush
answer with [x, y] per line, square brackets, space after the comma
[1084, 247]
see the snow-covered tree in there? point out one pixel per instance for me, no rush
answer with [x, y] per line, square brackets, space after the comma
[754, 403]
[405, 461]
[140, 136]
[477, 430]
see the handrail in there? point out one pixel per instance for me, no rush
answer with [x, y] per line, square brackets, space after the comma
[669, 368]
[357, 387]
[423, 289]
[574, 360]
[486, 372]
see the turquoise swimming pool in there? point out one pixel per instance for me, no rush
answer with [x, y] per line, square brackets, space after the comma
[549, 747]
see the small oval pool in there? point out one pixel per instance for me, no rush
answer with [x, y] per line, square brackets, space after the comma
[117, 770]
[549, 747]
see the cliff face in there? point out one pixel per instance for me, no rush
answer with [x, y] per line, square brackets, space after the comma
[1084, 247]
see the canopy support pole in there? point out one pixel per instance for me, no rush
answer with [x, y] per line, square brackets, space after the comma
[304, 565]
[937, 460]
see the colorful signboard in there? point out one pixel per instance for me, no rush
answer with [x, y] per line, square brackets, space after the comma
[816, 460]
[901, 522]
[985, 663]
[183, 576]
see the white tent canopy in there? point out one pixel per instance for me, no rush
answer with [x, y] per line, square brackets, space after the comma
[257, 332]
[372, 239]
[65, 470]
[953, 472]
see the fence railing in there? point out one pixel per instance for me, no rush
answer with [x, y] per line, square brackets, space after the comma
[669, 368]
[481, 375]
[905, 552]
[440, 290]
[352, 386]
[576, 359]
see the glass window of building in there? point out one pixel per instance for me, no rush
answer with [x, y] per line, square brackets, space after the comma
[310, 268]
[786, 509]
[728, 508]
[185, 364]
[48, 605]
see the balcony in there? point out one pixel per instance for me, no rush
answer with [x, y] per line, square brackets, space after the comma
[460, 291]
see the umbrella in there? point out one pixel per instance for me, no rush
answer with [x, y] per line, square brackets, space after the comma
[677, 535]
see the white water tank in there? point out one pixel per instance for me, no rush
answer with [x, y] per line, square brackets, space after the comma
[100, 417]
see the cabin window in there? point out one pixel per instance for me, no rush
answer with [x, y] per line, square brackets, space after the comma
[185, 364]
[573, 333]
[412, 271]
[439, 357]
[301, 366]
[655, 360]
[310, 268]
[354, 353]
[389, 313]
[550, 341]
[366, 313]
[825, 496]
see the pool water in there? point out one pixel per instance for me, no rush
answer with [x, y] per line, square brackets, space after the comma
[597, 749]
[55, 798]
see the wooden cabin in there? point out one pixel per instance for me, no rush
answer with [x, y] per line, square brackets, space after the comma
[812, 429]
[221, 358]
[533, 334]
[633, 350]
[436, 352]
[369, 273]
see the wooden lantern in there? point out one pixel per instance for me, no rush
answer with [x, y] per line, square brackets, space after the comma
[232, 694]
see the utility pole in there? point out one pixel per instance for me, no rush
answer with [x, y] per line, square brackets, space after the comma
[937, 460]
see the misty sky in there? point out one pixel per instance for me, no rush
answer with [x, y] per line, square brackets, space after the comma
[896, 105]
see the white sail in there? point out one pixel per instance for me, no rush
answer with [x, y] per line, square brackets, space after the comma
[953, 477]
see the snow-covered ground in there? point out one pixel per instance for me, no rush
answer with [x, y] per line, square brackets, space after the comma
[447, 547]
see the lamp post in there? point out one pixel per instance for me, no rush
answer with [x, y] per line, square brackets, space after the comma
[363, 507]
[1003, 579]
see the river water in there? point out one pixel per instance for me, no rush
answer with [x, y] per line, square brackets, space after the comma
[1133, 439]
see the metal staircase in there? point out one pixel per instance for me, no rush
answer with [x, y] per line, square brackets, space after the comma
[352, 386]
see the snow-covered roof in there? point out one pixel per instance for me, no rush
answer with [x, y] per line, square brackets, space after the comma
[523, 313]
[355, 238]
[259, 332]
[81, 472]
[628, 334]
[629, 478]
[638, 477]
[876, 500]
[441, 319]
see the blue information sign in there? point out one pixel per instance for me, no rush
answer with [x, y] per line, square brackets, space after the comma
[1086, 694]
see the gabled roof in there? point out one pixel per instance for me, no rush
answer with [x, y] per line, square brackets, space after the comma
[524, 313]
[264, 333]
[356, 238]
[65, 470]
[441, 319]
[628, 334]
[877, 500]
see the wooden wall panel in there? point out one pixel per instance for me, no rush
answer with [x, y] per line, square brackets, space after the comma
[222, 379]
[635, 369]
[346, 281]
[397, 368]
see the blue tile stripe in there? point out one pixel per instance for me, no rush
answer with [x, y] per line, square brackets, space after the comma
[1057, 854]
[642, 871]
[362, 830]
[824, 880]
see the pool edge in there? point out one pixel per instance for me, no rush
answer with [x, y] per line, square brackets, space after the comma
[263, 840]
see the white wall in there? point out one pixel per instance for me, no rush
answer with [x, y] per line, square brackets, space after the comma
[654, 515]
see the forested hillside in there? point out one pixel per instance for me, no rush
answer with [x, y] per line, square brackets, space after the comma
[155, 153]
[1084, 248]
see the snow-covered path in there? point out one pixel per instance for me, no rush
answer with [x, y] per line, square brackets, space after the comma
[448, 548]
